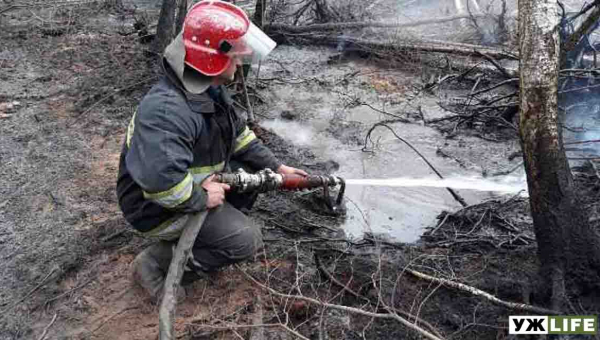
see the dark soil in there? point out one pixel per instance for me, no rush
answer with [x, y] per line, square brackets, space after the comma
[66, 248]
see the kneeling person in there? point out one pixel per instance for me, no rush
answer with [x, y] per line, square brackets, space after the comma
[184, 130]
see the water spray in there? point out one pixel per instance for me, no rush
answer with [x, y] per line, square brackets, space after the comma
[467, 183]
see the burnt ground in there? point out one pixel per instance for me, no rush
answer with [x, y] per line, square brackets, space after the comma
[70, 82]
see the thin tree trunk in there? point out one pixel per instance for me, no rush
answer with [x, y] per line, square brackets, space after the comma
[172, 15]
[568, 248]
[259, 12]
[166, 325]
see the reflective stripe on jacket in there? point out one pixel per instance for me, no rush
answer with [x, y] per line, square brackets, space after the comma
[174, 141]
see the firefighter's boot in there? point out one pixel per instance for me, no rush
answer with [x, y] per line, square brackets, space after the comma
[150, 268]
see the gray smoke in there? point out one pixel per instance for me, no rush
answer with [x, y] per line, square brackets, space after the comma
[579, 96]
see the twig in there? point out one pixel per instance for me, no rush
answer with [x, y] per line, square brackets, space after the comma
[506, 172]
[400, 319]
[112, 317]
[391, 309]
[108, 96]
[4, 312]
[180, 257]
[331, 278]
[456, 196]
[43, 336]
[585, 158]
[583, 142]
[579, 89]
[507, 81]
[439, 225]
[500, 68]
[488, 296]
[399, 118]
[464, 74]
[249, 106]
[114, 235]
[69, 291]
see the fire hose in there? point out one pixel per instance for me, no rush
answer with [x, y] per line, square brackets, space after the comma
[267, 180]
[242, 182]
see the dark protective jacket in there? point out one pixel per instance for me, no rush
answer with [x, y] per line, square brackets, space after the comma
[174, 141]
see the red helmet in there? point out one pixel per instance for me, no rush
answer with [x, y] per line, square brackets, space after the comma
[216, 31]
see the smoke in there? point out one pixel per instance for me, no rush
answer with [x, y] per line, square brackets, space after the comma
[297, 133]
[579, 93]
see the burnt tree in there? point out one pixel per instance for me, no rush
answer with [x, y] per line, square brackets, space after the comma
[170, 21]
[568, 247]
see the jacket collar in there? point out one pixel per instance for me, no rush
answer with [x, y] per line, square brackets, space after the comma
[199, 103]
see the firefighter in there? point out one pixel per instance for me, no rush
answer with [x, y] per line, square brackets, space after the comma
[184, 130]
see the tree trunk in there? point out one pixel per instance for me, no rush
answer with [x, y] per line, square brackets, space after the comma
[172, 15]
[568, 248]
[259, 12]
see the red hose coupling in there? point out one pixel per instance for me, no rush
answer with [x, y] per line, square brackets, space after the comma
[298, 182]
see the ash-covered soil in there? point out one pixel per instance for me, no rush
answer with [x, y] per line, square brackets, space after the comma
[70, 82]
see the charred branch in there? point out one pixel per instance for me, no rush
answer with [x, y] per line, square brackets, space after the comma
[395, 47]
[583, 30]
[293, 29]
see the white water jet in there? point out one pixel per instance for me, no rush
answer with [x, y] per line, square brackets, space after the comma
[510, 185]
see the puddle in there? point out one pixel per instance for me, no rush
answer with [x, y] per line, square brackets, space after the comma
[329, 127]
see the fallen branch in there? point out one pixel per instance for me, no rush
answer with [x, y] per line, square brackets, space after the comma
[478, 292]
[348, 309]
[507, 81]
[583, 142]
[583, 88]
[385, 48]
[43, 336]
[500, 68]
[347, 25]
[182, 254]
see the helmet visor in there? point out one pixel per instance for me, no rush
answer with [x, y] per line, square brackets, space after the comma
[253, 46]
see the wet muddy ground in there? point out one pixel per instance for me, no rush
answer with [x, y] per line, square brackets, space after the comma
[328, 107]
[66, 96]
